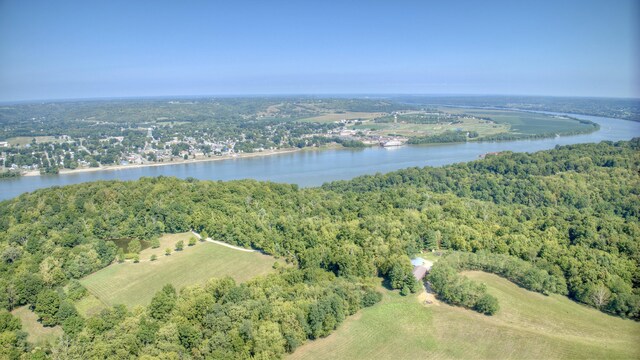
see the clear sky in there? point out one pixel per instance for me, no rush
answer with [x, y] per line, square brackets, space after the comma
[111, 48]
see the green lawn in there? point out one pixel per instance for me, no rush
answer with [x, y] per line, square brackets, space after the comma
[135, 284]
[348, 115]
[90, 305]
[37, 333]
[528, 326]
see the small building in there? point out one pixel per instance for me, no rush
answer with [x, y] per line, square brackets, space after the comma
[420, 267]
[419, 272]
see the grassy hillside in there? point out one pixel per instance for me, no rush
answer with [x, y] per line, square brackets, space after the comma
[135, 284]
[529, 325]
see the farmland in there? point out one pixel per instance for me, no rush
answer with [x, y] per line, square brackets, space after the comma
[134, 284]
[483, 128]
[528, 325]
[520, 122]
[474, 124]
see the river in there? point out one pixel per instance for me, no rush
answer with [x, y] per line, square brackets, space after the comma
[315, 167]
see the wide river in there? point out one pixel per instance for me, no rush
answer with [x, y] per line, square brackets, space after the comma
[314, 167]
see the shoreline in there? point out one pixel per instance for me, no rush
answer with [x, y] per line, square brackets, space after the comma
[279, 152]
[189, 161]
[324, 147]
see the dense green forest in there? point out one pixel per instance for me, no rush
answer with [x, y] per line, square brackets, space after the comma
[564, 220]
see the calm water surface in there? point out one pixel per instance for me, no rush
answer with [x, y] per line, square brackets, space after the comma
[315, 167]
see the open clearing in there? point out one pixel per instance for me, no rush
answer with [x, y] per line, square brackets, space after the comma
[483, 128]
[528, 326]
[24, 140]
[135, 284]
[344, 116]
[90, 305]
[37, 333]
[522, 122]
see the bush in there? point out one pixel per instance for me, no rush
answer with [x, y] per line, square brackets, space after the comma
[192, 241]
[134, 246]
[155, 243]
[179, 245]
[487, 305]
[370, 298]
[167, 252]
[154, 257]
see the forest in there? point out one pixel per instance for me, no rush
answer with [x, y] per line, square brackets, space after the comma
[563, 221]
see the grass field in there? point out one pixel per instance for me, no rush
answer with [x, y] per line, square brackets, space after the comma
[528, 326]
[521, 122]
[346, 115]
[90, 305]
[37, 333]
[135, 284]
[23, 140]
[407, 129]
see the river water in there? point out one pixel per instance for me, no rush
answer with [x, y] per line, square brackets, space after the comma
[315, 167]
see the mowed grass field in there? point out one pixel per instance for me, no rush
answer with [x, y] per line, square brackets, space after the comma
[24, 140]
[408, 129]
[521, 122]
[331, 117]
[36, 332]
[528, 326]
[135, 284]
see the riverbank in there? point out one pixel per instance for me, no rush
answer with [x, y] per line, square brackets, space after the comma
[176, 162]
[314, 166]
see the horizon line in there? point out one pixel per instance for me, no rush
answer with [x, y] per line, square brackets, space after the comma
[319, 95]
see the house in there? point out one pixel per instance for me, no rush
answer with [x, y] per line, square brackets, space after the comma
[419, 272]
[420, 267]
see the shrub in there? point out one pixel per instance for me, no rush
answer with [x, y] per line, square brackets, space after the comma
[179, 245]
[370, 298]
[120, 256]
[487, 305]
[134, 246]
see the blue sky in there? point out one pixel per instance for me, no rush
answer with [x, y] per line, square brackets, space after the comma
[86, 49]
